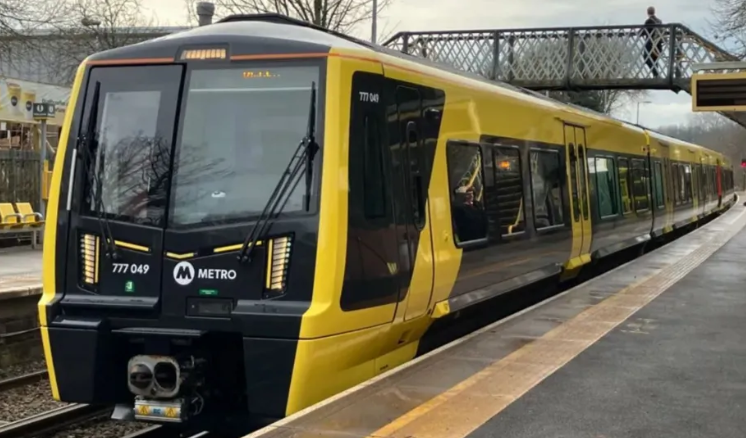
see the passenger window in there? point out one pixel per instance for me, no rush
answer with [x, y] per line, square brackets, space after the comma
[467, 189]
[374, 189]
[546, 185]
[687, 174]
[640, 185]
[607, 197]
[676, 183]
[624, 186]
[682, 184]
[509, 190]
[658, 184]
[593, 185]
[695, 181]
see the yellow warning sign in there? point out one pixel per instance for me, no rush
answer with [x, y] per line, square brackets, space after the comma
[171, 412]
[143, 410]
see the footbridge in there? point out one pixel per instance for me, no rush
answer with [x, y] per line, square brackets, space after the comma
[662, 57]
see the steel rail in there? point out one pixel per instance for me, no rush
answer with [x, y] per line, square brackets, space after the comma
[158, 431]
[52, 420]
[26, 379]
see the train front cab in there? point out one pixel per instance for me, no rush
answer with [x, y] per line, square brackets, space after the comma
[144, 286]
[338, 291]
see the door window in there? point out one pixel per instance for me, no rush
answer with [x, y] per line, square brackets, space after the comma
[546, 187]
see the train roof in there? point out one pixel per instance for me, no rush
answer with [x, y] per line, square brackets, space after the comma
[676, 141]
[303, 36]
[296, 36]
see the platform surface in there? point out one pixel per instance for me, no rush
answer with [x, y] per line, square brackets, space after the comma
[653, 348]
[677, 368]
[20, 272]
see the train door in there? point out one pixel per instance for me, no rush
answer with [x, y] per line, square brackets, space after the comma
[719, 179]
[694, 186]
[651, 184]
[577, 172]
[707, 184]
[668, 187]
[409, 167]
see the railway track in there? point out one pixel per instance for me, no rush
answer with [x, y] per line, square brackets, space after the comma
[51, 421]
[26, 379]
[61, 418]
[160, 432]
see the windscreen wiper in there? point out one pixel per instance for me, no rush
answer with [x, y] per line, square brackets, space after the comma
[87, 143]
[303, 156]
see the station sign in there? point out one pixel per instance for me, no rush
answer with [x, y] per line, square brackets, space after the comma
[43, 111]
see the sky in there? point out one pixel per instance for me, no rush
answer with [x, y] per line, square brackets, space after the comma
[660, 107]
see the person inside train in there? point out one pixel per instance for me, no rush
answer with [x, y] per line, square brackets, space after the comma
[468, 215]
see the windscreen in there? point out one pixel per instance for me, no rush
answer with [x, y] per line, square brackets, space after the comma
[127, 166]
[239, 131]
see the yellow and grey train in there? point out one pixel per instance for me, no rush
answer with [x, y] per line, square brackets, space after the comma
[253, 215]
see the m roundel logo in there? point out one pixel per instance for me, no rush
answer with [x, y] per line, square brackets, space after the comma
[184, 273]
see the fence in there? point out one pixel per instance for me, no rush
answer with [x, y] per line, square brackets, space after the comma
[20, 176]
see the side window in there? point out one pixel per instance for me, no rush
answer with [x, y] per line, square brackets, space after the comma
[546, 187]
[624, 186]
[676, 184]
[467, 190]
[687, 173]
[640, 185]
[509, 190]
[658, 184]
[682, 184]
[593, 184]
[608, 204]
[667, 184]
[374, 189]
[713, 187]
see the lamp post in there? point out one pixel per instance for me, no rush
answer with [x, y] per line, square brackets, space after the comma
[93, 24]
[374, 24]
[638, 110]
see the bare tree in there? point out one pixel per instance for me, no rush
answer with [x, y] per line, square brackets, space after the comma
[338, 15]
[18, 16]
[87, 27]
[107, 24]
[361, 12]
[19, 21]
[46, 40]
[729, 25]
[715, 132]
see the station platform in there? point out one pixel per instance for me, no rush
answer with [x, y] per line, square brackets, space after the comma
[20, 272]
[652, 348]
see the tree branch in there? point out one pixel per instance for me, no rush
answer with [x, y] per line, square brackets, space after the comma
[337, 15]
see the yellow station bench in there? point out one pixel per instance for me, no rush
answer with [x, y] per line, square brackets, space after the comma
[20, 218]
